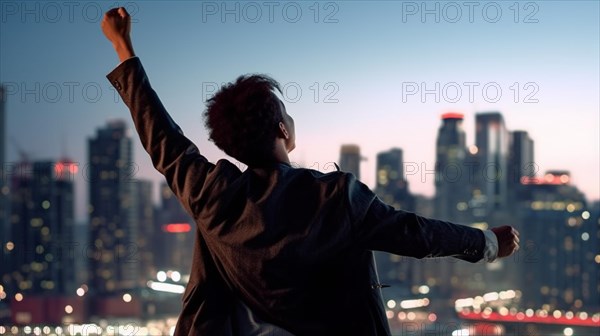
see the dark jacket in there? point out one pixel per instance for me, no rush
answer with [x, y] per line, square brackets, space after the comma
[293, 244]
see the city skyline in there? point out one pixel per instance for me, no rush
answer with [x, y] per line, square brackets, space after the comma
[415, 173]
[552, 209]
[364, 80]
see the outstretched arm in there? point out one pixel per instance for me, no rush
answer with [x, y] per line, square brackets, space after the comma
[172, 154]
[384, 228]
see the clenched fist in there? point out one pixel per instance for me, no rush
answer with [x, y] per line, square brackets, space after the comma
[116, 26]
[508, 240]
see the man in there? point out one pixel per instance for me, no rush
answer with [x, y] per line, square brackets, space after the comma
[278, 250]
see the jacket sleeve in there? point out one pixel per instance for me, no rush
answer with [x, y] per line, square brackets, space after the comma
[172, 154]
[386, 229]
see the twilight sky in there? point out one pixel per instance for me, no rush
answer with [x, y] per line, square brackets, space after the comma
[353, 72]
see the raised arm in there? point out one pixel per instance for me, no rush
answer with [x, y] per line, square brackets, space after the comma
[172, 154]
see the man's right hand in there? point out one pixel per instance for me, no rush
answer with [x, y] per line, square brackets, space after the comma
[116, 26]
[508, 240]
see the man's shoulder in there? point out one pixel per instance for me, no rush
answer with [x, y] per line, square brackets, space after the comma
[222, 173]
[334, 181]
[336, 176]
[228, 166]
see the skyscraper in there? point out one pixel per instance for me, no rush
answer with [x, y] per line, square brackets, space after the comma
[42, 224]
[350, 159]
[114, 266]
[3, 183]
[392, 187]
[144, 220]
[452, 174]
[521, 156]
[557, 240]
[491, 139]
[521, 159]
[520, 163]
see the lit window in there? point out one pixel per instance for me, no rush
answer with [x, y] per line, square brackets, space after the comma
[585, 215]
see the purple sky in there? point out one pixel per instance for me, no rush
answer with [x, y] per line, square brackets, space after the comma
[353, 63]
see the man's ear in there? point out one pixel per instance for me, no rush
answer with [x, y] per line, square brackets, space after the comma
[283, 132]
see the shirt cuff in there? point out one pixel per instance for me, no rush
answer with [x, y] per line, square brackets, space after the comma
[491, 246]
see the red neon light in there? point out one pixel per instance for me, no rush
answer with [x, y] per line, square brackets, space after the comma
[549, 179]
[65, 167]
[453, 115]
[177, 228]
[520, 317]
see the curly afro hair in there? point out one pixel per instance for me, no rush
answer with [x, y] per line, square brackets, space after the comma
[243, 118]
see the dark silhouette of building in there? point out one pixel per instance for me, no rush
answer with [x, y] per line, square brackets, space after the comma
[144, 220]
[350, 159]
[4, 206]
[556, 240]
[591, 258]
[521, 157]
[521, 163]
[4, 210]
[42, 225]
[453, 176]
[492, 141]
[392, 186]
[114, 265]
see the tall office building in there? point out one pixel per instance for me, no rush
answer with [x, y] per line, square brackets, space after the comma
[350, 159]
[558, 239]
[591, 259]
[492, 140]
[4, 211]
[42, 228]
[521, 158]
[392, 186]
[114, 265]
[144, 220]
[452, 173]
[521, 164]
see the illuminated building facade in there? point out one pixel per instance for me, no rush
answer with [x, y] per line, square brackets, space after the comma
[142, 192]
[114, 263]
[42, 225]
[557, 240]
[392, 186]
